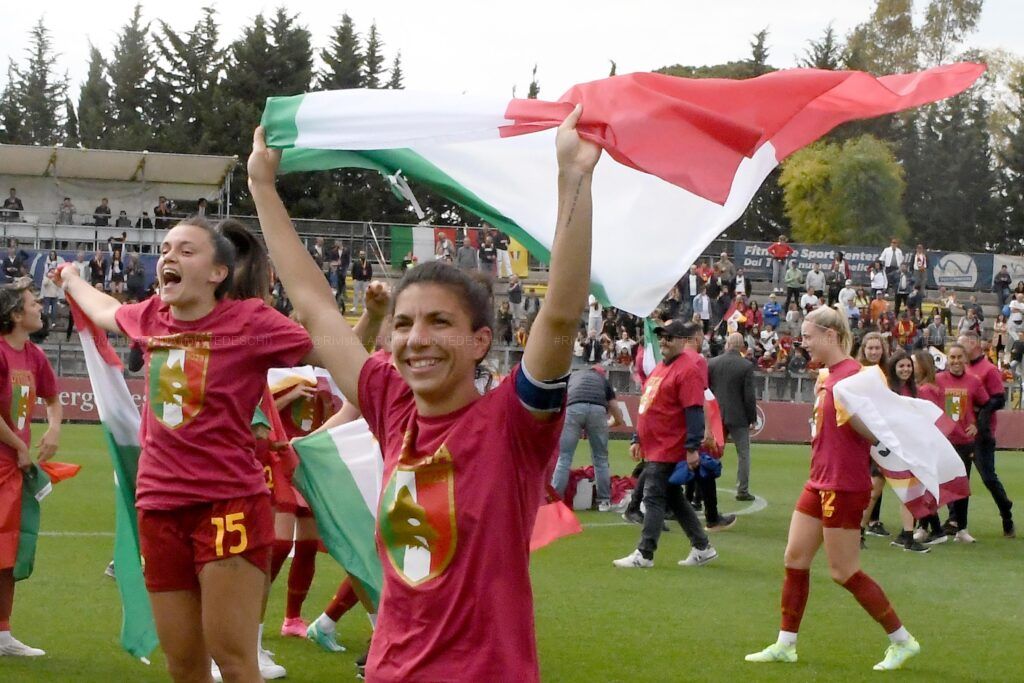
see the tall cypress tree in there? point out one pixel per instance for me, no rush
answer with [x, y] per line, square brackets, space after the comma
[759, 53]
[825, 53]
[12, 120]
[373, 60]
[130, 93]
[343, 58]
[534, 91]
[71, 138]
[41, 92]
[395, 82]
[94, 103]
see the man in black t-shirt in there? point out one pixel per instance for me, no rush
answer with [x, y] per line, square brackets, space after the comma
[501, 243]
[488, 257]
[101, 214]
[13, 207]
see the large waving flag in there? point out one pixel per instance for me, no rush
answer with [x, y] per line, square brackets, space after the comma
[685, 156]
[121, 422]
[340, 475]
[652, 351]
[918, 461]
[36, 484]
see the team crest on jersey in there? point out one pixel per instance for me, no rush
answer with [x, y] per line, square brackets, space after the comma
[417, 518]
[22, 398]
[177, 377]
[650, 391]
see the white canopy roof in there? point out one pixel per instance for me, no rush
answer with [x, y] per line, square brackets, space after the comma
[103, 164]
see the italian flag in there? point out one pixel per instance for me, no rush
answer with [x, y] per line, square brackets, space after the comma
[36, 484]
[340, 475]
[652, 352]
[121, 422]
[685, 156]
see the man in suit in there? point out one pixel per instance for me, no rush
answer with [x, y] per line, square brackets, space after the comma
[731, 378]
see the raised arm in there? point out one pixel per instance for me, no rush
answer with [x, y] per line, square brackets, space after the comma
[549, 348]
[99, 306]
[338, 348]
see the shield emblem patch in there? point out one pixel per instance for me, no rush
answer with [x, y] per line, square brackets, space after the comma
[177, 377]
[417, 520]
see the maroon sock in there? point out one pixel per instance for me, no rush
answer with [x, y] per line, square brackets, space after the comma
[6, 598]
[872, 598]
[300, 576]
[278, 555]
[795, 589]
[344, 600]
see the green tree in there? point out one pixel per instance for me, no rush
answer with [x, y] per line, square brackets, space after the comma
[759, 53]
[946, 24]
[887, 42]
[71, 138]
[613, 69]
[94, 103]
[183, 83]
[343, 58]
[534, 90]
[397, 77]
[826, 53]
[1012, 156]
[12, 120]
[41, 92]
[845, 193]
[373, 60]
[129, 72]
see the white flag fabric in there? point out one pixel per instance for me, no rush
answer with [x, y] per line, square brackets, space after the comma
[917, 459]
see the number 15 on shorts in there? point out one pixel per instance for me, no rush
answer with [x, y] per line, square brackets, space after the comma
[230, 524]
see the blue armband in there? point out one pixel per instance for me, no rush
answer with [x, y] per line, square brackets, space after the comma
[543, 397]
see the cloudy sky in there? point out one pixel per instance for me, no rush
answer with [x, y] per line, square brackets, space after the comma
[488, 47]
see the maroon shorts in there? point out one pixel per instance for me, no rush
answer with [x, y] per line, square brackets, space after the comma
[835, 509]
[176, 544]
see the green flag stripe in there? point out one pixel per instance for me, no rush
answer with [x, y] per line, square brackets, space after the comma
[32, 482]
[279, 120]
[348, 530]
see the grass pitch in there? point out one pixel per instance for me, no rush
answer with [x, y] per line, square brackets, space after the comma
[594, 622]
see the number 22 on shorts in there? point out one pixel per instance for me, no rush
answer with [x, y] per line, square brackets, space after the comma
[233, 523]
[828, 500]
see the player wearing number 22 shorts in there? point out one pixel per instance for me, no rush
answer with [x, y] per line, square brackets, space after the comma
[200, 492]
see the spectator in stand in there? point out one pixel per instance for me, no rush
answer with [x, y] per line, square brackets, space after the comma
[891, 258]
[731, 379]
[793, 318]
[772, 312]
[489, 257]
[12, 266]
[903, 283]
[362, 273]
[862, 302]
[595, 315]
[1017, 355]
[915, 299]
[847, 299]
[947, 303]
[467, 258]
[935, 334]
[906, 332]
[319, 253]
[877, 279]
[809, 301]
[815, 281]
[504, 322]
[144, 222]
[689, 286]
[51, 293]
[98, 271]
[972, 304]
[162, 214]
[672, 304]
[116, 274]
[502, 242]
[13, 207]
[135, 278]
[66, 212]
[985, 447]
[794, 280]
[705, 271]
[741, 285]
[701, 306]
[625, 346]
[515, 296]
[1000, 337]
[834, 281]
[840, 263]
[531, 304]
[444, 250]
[101, 214]
[878, 306]
[122, 220]
[755, 317]
[780, 251]
[726, 270]
[969, 323]
[1001, 285]
[593, 350]
[201, 207]
[590, 408]
[1015, 322]
[919, 263]
[341, 262]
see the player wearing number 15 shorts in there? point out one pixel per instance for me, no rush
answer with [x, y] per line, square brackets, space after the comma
[205, 521]
[829, 509]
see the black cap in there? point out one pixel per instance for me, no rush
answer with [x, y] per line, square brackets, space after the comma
[673, 328]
